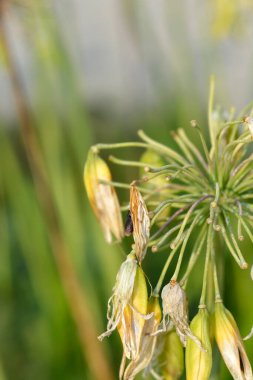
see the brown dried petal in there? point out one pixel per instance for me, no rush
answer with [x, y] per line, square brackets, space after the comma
[141, 223]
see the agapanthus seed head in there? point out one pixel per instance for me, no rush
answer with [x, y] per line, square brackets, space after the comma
[204, 192]
[103, 197]
[141, 223]
[230, 344]
[199, 362]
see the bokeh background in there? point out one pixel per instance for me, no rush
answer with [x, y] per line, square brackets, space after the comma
[73, 73]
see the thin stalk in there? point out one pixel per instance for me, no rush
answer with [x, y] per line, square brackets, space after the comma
[194, 256]
[119, 161]
[194, 150]
[211, 125]
[123, 186]
[181, 254]
[243, 263]
[207, 261]
[158, 242]
[193, 206]
[162, 148]
[130, 144]
[165, 268]
[171, 218]
[203, 142]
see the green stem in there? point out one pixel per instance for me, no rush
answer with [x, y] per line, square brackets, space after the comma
[180, 258]
[207, 261]
[96, 148]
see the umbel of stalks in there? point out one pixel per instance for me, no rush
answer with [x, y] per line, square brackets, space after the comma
[186, 203]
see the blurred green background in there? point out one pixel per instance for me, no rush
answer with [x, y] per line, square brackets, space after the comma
[73, 73]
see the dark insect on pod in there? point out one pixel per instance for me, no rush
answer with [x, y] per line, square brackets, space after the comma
[128, 225]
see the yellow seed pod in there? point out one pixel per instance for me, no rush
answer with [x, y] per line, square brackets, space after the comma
[131, 324]
[230, 343]
[103, 197]
[172, 358]
[199, 362]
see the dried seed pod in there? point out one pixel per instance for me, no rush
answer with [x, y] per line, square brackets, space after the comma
[148, 340]
[141, 223]
[175, 306]
[199, 362]
[103, 197]
[122, 293]
[127, 307]
[230, 344]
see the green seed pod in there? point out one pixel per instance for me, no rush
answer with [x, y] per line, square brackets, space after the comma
[198, 362]
[172, 357]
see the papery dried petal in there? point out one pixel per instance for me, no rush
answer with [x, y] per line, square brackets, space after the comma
[103, 197]
[230, 344]
[141, 223]
[148, 341]
[175, 306]
[122, 293]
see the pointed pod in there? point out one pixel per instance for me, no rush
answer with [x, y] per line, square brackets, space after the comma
[103, 197]
[172, 356]
[199, 362]
[230, 344]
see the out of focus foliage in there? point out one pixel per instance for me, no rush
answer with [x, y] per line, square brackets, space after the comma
[38, 335]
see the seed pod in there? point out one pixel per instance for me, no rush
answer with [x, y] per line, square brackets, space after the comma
[172, 356]
[148, 340]
[175, 306]
[141, 223]
[198, 362]
[230, 344]
[103, 197]
[134, 316]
